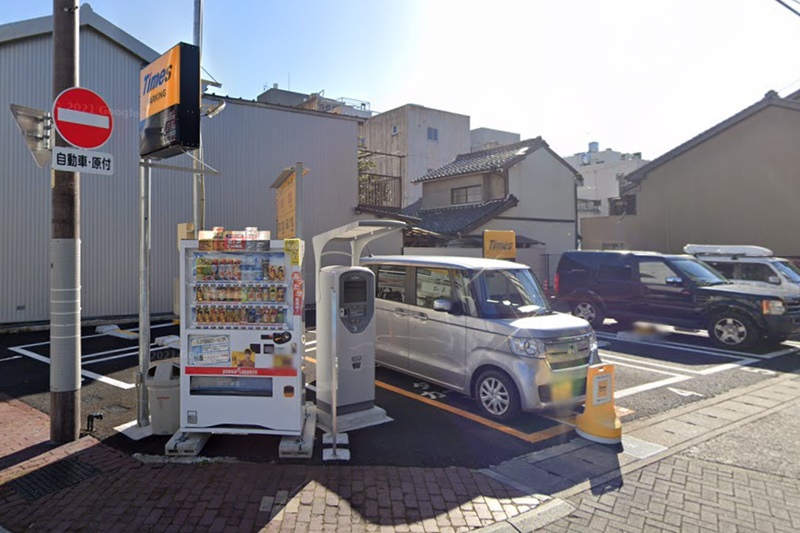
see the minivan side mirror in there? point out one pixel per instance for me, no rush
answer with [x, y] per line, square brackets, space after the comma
[674, 281]
[443, 304]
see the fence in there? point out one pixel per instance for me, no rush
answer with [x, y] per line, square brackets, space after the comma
[379, 191]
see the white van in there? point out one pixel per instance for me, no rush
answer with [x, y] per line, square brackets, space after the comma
[749, 265]
[481, 327]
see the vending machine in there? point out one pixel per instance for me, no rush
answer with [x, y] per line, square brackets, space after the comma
[242, 335]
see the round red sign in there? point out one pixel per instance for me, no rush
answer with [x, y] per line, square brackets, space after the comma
[82, 118]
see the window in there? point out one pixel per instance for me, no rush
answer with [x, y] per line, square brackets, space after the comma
[466, 195]
[432, 284]
[726, 269]
[756, 272]
[394, 129]
[433, 134]
[788, 269]
[614, 272]
[391, 283]
[464, 303]
[508, 294]
[622, 206]
[655, 272]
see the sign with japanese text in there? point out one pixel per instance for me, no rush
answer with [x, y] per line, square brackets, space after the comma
[285, 197]
[85, 162]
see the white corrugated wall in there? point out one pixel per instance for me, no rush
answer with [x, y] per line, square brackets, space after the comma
[249, 144]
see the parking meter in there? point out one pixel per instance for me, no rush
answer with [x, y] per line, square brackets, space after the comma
[346, 335]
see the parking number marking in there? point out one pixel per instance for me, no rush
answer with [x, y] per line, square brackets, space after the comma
[422, 385]
[433, 395]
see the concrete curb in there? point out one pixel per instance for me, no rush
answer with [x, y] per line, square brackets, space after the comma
[543, 515]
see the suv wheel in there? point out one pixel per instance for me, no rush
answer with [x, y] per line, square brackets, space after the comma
[590, 311]
[733, 329]
[497, 396]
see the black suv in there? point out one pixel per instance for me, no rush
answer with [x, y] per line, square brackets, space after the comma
[677, 290]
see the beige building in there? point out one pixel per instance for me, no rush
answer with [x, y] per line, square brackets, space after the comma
[737, 183]
[525, 187]
[408, 142]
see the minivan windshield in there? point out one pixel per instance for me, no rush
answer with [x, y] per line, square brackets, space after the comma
[788, 269]
[512, 293]
[700, 273]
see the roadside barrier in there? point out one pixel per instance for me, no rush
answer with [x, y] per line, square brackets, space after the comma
[599, 421]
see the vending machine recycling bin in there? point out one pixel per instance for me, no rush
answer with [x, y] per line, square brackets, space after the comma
[346, 335]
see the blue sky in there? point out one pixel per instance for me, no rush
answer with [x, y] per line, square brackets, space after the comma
[634, 75]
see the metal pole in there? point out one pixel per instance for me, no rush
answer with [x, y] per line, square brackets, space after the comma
[298, 201]
[143, 409]
[198, 199]
[334, 365]
[65, 248]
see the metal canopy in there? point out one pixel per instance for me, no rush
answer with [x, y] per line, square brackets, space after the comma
[358, 234]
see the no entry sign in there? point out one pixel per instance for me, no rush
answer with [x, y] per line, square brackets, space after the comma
[82, 118]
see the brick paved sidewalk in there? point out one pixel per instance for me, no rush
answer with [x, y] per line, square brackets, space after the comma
[88, 486]
[685, 494]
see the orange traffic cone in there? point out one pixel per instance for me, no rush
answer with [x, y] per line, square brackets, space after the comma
[599, 421]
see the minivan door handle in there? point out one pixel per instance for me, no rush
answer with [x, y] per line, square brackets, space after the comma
[420, 316]
[400, 312]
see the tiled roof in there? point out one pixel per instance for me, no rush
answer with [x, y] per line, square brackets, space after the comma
[456, 219]
[493, 159]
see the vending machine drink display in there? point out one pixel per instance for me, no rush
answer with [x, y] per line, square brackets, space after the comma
[241, 334]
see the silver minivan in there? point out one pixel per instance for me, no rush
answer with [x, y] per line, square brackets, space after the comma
[482, 327]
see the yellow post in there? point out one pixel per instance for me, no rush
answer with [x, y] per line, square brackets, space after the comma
[599, 421]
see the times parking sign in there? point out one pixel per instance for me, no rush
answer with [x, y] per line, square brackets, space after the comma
[169, 103]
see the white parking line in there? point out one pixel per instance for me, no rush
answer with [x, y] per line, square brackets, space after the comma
[650, 386]
[615, 357]
[11, 358]
[648, 369]
[45, 343]
[694, 349]
[91, 375]
[153, 348]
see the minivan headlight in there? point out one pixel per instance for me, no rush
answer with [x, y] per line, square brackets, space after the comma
[772, 307]
[527, 347]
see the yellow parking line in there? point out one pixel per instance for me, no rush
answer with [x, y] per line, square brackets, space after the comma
[527, 437]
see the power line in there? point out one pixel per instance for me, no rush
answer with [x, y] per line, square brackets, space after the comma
[787, 6]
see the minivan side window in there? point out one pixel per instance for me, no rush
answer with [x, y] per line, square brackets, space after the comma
[390, 283]
[432, 284]
[655, 272]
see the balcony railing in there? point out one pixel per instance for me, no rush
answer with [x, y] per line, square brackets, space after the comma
[380, 191]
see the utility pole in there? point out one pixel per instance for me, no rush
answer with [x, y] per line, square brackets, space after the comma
[65, 248]
[198, 188]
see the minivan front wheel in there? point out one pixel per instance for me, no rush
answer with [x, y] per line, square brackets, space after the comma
[497, 395]
[590, 311]
[733, 330]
